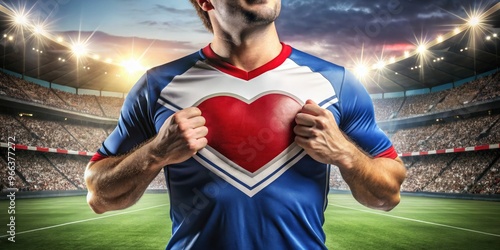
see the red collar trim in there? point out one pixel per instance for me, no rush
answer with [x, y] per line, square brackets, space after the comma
[215, 60]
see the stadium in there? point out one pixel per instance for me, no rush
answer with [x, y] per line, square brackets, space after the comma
[439, 104]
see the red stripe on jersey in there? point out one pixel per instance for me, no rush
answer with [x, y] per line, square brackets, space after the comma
[98, 157]
[230, 69]
[389, 153]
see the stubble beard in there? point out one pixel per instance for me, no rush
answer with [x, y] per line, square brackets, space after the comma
[261, 16]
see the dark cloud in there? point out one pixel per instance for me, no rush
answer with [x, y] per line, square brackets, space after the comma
[152, 51]
[343, 26]
[148, 23]
[172, 10]
[151, 23]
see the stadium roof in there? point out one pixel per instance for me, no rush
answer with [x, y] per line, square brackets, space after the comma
[449, 59]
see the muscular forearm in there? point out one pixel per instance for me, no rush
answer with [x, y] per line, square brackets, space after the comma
[118, 182]
[374, 182]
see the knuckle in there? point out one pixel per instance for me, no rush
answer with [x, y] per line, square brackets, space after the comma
[192, 146]
[177, 117]
[322, 122]
[186, 134]
[324, 112]
[182, 128]
[315, 133]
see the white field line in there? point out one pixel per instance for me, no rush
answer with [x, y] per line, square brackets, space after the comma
[419, 221]
[79, 221]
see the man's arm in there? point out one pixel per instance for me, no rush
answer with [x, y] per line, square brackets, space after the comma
[374, 182]
[118, 182]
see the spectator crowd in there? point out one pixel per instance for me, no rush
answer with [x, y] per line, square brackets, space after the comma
[104, 106]
[472, 172]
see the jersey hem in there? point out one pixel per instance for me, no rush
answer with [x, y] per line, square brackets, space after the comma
[97, 157]
[389, 153]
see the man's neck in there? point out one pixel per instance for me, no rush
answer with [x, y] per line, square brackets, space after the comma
[248, 50]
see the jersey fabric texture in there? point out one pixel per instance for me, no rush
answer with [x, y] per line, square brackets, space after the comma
[252, 187]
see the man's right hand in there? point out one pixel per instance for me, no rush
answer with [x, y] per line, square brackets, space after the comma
[180, 137]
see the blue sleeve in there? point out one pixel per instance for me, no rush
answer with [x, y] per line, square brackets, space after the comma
[135, 125]
[357, 119]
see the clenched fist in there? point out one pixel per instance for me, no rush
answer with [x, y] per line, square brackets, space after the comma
[180, 137]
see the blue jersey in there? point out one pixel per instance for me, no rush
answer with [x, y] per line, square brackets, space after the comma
[251, 187]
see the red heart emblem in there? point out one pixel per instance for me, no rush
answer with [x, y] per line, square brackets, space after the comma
[250, 134]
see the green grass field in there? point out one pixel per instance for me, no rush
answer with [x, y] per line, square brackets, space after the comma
[417, 223]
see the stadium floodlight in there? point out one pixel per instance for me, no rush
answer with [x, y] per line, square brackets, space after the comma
[11, 38]
[20, 19]
[440, 39]
[392, 60]
[456, 31]
[380, 65]
[79, 49]
[407, 54]
[361, 71]
[474, 21]
[96, 57]
[132, 66]
[108, 60]
[488, 38]
[495, 35]
[39, 29]
[60, 39]
[421, 49]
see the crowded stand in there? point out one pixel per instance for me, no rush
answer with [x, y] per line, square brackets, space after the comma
[31, 131]
[474, 172]
[86, 104]
[71, 166]
[386, 109]
[8, 87]
[110, 105]
[4, 176]
[420, 104]
[491, 135]
[490, 183]
[21, 89]
[461, 174]
[461, 95]
[413, 139]
[479, 90]
[38, 173]
[336, 180]
[13, 128]
[454, 173]
[49, 134]
[462, 133]
[158, 182]
[89, 137]
[423, 170]
[455, 134]
[38, 94]
[491, 90]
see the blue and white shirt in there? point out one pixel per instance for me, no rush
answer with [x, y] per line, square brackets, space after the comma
[252, 187]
